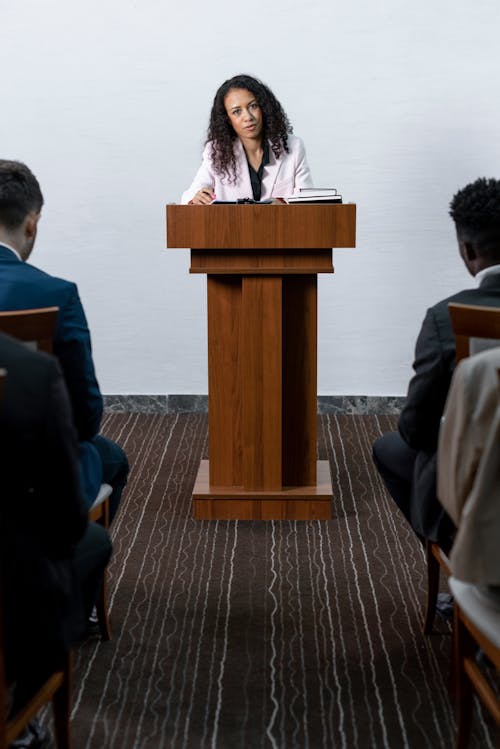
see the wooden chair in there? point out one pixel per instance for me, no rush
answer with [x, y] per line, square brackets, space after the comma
[475, 328]
[436, 560]
[57, 688]
[37, 327]
[99, 513]
[477, 625]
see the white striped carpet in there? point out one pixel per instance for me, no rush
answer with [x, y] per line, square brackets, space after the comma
[253, 634]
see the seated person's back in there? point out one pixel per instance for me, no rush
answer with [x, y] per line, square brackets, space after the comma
[469, 468]
[22, 286]
[406, 459]
[52, 557]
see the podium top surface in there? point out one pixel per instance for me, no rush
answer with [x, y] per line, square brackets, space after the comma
[261, 226]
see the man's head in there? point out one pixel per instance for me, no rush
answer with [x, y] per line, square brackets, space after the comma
[476, 212]
[21, 201]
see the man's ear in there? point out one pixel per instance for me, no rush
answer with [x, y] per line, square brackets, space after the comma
[468, 251]
[31, 223]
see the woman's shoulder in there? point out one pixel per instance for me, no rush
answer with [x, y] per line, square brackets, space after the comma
[295, 144]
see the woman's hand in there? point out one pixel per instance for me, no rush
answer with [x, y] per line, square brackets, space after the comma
[203, 197]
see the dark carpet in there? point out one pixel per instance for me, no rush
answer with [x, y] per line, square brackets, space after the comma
[262, 634]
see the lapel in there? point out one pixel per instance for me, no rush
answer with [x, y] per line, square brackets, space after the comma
[271, 172]
[244, 185]
[269, 176]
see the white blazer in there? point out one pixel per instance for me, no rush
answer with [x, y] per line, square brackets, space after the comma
[281, 178]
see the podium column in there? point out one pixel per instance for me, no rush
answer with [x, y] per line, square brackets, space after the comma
[261, 382]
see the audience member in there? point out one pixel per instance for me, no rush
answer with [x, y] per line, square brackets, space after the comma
[52, 558]
[22, 286]
[406, 459]
[469, 469]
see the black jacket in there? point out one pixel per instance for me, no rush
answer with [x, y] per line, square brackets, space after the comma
[421, 415]
[42, 512]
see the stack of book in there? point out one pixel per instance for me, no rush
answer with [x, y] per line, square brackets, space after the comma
[316, 195]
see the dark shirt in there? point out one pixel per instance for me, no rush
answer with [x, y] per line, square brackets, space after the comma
[256, 176]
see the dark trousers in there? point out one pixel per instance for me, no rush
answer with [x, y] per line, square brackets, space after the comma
[114, 469]
[395, 460]
[92, 554]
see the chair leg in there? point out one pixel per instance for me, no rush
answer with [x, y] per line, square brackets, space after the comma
[432, 588]
[102, 610]
[464, 648]
[452, 675]
[102, 599]
[61, 702]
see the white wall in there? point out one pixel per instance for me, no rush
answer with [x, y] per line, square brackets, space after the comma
[107, 101]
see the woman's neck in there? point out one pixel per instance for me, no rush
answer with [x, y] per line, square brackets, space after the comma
[254, 151]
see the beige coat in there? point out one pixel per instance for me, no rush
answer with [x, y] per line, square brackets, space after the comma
[469, 467]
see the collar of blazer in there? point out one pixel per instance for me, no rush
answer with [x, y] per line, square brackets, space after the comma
[270, 174]
[8, 254]
[491, 281]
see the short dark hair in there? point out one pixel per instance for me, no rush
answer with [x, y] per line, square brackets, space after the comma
[476, 207]
[19, 193]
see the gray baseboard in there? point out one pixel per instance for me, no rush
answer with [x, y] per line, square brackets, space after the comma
[341, 404]
[360, 404]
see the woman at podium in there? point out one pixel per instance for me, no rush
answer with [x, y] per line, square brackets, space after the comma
[250, 150]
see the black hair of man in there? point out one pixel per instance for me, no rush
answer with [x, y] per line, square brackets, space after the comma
[20, 194]
[475, 209]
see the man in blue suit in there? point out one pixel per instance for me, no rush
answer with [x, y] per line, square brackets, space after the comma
[22, 286]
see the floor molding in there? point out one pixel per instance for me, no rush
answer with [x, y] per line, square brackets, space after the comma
[182, 403]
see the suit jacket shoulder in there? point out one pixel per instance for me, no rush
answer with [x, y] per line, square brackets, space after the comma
[23, 286]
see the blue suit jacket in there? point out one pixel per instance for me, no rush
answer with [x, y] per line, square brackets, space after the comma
[22, 286]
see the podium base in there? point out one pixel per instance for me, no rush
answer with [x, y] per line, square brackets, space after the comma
[237, 503]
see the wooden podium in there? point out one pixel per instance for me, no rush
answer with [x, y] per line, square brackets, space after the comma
[262, 263]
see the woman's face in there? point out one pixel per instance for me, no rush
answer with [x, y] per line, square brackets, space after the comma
[244, 113]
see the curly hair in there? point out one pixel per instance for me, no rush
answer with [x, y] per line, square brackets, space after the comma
[275, 124]
[19, 193]
[477, 206]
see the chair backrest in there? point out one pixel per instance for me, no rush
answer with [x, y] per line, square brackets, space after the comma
[35, 326]
[476, 328]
